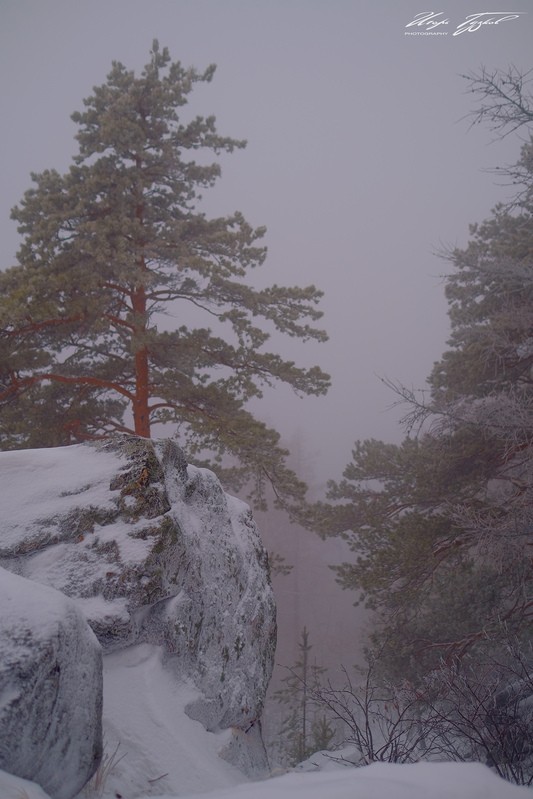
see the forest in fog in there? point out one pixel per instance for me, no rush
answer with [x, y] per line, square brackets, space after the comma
[351, 353]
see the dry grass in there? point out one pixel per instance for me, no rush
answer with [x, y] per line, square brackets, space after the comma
[96, 785]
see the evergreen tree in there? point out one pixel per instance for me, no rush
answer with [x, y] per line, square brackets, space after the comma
[490, 296]
[413, 566]
[441, 524]
[304, 729]
[129, 307]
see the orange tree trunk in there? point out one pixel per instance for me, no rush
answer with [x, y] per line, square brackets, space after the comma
[141, 412]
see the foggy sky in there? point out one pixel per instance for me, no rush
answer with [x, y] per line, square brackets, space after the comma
[360, 161]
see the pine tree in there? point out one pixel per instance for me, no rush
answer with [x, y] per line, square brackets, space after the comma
[440, 525]
[128, 307]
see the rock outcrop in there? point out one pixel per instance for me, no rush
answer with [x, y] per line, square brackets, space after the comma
[50, 688]
[152, 551]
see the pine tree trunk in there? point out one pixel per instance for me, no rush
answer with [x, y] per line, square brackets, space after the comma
[141, 415]
[141, 412]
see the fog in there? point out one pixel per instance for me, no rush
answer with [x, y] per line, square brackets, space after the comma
[361, 162]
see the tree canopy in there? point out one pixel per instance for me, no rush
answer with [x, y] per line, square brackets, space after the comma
[129, 307]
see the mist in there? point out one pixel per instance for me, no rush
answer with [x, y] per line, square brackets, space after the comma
[361, 162]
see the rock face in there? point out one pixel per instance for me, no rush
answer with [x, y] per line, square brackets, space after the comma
[152, 551]
[50, 688]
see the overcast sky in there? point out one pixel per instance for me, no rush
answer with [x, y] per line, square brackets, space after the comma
[359, 160]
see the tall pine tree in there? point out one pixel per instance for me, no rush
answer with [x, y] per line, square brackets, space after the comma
[129, 307]
[441, 524]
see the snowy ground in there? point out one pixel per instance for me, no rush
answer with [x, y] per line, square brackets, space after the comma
[162, 749]
[383, 781]
[165, 754]
[378, 781]
[154, 749]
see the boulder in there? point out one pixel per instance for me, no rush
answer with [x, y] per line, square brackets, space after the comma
[50, 688]
[152, 551]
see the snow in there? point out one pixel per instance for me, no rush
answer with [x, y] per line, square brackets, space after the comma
[45, 485]
[378, 781]
[154, 749]
[30, 480]
[144, 715]
[50, 687]
[37, 607]
[206, 599]
[382, 781]
[16, 788]
[165, 754]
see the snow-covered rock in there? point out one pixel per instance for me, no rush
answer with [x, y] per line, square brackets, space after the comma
[153, 552]
[12, 787]
[50, 688]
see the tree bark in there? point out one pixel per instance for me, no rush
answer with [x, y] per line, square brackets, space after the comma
[141, 411]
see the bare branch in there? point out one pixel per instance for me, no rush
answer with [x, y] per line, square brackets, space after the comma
[506, 102]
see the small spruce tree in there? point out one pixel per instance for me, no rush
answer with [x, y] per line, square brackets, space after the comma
[304, 729]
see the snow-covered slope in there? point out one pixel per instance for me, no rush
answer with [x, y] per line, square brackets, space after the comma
[155, 745]
[144, 713]
[383, 781]
[378, 781]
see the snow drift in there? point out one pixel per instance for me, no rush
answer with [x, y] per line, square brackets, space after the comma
[378, 781]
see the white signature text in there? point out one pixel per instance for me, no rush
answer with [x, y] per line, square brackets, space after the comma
[428, 19]
[431, 20]
[473, 22]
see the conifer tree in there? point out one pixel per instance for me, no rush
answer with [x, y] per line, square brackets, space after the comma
[128, 307]
[440, 525]
[305, 729]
